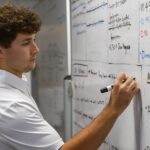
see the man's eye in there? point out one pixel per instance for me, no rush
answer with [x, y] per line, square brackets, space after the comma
[26, 43]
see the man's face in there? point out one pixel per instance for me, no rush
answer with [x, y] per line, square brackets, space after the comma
[21, 56]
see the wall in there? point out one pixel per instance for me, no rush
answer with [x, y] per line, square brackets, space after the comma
[52, 62]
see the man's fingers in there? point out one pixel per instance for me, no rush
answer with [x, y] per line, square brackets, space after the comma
[121, 77]
[126, 83]
[129, 81]
[135, 90]
[132, 85]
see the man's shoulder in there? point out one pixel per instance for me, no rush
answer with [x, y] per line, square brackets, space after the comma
[9, 92]
[10, 96]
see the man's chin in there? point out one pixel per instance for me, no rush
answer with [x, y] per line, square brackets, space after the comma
[29, 69]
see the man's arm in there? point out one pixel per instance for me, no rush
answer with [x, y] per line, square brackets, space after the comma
[91, 137]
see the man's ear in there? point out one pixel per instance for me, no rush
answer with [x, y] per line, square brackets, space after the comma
[2, 53]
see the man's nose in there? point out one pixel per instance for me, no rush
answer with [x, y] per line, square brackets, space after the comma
[35, 47]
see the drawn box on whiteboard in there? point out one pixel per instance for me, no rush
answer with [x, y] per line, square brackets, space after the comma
[80, 70]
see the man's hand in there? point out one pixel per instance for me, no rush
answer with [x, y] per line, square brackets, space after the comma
[123, 91]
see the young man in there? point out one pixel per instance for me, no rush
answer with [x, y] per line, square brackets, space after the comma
[22, 126]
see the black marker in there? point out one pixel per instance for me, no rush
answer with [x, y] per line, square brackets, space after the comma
[110, 87]
[107, 88]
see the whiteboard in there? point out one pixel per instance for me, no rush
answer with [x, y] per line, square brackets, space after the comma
[89, 101]
[144, 32]
[146, 108]
[108, 37]
[87, 20]
[123, 29]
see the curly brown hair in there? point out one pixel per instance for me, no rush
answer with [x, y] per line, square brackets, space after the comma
[16, 19]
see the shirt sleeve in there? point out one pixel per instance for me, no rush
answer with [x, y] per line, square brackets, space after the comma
[24, 128]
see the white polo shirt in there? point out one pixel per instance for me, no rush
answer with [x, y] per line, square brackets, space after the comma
[22, 126]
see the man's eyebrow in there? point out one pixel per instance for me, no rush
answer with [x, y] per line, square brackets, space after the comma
[27, 39]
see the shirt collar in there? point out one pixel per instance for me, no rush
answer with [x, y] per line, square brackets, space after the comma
[14, 81]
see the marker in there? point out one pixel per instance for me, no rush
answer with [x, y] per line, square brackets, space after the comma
[107, 88]
[110, 87]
